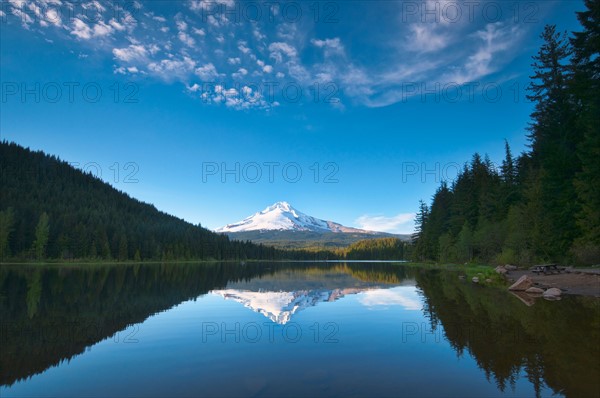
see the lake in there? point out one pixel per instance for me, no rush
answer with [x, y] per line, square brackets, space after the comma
[286, 329]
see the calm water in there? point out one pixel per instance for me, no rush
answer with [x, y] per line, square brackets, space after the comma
[286, 330]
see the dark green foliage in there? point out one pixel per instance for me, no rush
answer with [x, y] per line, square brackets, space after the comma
[6, 228]
[421, 245]
[486, 322]
[42, 231]
[585, 87]
[554, 141]
[49, 210]
[52, 313]
[307, 239]
[544, 205]
[380, 249]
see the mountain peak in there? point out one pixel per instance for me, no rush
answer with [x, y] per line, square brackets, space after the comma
[280, 306]
[281, 216]
[285, 206]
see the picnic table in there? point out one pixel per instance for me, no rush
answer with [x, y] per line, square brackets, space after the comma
[547, 268]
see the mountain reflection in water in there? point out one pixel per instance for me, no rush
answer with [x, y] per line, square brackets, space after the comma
[51, 314]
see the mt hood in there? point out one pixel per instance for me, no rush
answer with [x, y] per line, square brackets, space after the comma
[281, 216]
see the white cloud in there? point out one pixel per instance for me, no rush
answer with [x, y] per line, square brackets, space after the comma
[17, 11]
[205, 5]
[424, 38]
[102, 29]
[279, 48]
[242, 46]
[239, 100]
[419, 52]
[207, 72]
[193, 88]
[186, 39]
[257, 34]
[134, 52]
[181, 26]
[169, 69]
[116, 25]
[403, 296]
[330, 46]
[93, 5]
[239, 74]
[81, 29]
[497, 39]
[402, 223]
[52, 15]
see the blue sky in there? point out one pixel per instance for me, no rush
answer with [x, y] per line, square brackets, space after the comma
[351, 111]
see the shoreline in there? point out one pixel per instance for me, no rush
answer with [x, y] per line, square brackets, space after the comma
[576, 281]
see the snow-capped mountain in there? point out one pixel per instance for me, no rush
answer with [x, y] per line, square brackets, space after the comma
[281, 216]
[279, 306]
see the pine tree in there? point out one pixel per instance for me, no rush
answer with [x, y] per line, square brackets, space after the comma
[418, 239]
[439, 220]
[464, 244]
[123, 253]
[509, 172]
[585, 86]
[554, 141]
[420, 220]
[6, 229]
[42, 231]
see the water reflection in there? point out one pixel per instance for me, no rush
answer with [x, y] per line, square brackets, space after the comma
[282, 295]
[396, 326]
[555, 343]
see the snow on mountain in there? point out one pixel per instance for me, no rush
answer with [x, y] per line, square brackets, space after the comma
[281, 216]
[279, 306]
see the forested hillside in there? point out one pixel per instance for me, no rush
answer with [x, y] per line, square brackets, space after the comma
[545, 204]
[50, 210]
[377, 249]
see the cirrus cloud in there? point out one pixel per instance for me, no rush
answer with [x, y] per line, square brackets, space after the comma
[402, 223]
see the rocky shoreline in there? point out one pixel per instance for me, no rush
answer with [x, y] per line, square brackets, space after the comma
[527, 285]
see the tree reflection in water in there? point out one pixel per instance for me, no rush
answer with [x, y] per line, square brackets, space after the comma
[50, 314]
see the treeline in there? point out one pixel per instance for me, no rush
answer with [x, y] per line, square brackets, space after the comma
[545, 204]
[376, 249]
[50, 210]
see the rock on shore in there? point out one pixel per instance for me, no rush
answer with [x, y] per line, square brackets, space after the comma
[522, 284]
[552, 293]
